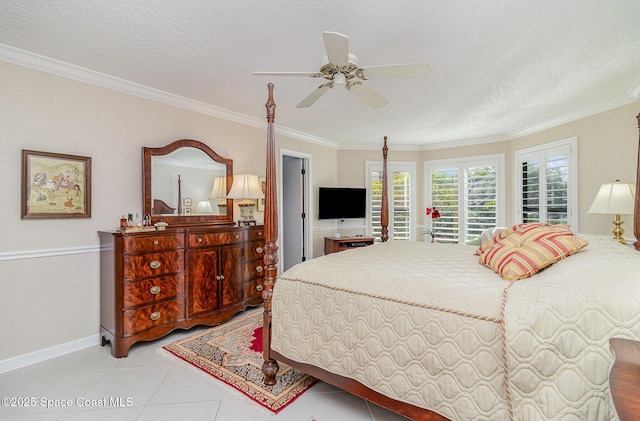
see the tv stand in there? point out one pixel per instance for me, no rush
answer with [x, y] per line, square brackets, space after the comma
[336, 244]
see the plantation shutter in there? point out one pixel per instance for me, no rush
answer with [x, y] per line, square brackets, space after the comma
[400, 210]
[400, 201]
[445, 197]
[466, 194]
[545, 185]
[480, 200]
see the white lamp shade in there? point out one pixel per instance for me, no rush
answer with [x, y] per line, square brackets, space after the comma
[204, 207]
[219, 188]
[616, 198]
[245, 186]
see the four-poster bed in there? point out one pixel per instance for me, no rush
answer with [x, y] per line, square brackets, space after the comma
[426, 331]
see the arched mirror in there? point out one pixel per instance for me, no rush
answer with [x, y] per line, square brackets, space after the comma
[186, 183]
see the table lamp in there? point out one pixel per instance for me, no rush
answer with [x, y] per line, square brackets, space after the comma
[246, 187]
[615, 199]
[219, 191]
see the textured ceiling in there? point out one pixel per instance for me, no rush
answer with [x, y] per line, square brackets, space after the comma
[499, 68]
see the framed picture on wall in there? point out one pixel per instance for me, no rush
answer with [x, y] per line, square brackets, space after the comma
[55, 185]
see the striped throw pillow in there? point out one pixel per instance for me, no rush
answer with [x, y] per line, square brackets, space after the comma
[527, 250]
[522, 228]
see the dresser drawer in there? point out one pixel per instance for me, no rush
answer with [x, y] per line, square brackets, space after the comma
[150, 290]
[254, 269]
[153, 264]
[254, 250]
[253, 288]
[254, 234]
[214, 238]
[135, 244]
[143, 318]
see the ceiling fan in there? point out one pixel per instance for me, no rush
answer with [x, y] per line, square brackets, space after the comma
[340, 67]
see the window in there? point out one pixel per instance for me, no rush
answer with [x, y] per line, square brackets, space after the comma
[468, 192]
[400, 188]
[546, 183]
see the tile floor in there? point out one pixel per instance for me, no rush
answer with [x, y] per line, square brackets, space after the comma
[153, 385]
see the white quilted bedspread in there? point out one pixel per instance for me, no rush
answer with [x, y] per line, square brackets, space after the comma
[427, 324]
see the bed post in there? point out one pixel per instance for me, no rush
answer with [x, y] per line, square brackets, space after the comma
[270, 366]
[636, 212]
[384, 211]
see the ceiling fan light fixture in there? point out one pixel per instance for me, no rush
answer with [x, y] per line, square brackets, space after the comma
[340, 67]
[353, 60]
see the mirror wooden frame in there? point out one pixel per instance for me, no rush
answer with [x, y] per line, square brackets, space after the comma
[184, 220]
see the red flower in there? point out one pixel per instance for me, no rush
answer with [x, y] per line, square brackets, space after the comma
[435, 213]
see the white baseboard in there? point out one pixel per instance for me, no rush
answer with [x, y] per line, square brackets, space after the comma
[46, 354]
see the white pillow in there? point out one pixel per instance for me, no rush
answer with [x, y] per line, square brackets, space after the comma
[489, 233]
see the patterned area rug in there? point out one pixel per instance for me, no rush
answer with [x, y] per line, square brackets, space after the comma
[232, 352]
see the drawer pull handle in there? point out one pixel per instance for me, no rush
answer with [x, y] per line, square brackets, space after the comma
[156, 242]
[259, 269]
[259, 250]
[259, 233]
[259, 287]
[237, 236]
[155, 315]
[199, 240]
[155, 264]
[155, 289]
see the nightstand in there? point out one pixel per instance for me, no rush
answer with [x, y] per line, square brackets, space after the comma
[624, 379]
[335, 244]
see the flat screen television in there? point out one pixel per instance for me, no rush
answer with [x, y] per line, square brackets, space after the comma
[342, 202]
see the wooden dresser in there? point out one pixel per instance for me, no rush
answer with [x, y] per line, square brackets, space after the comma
[154, 282]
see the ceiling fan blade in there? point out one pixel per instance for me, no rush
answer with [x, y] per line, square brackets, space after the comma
[337, 46]
[415, 70]
[314, 96]
[301, 74]
[368, 95]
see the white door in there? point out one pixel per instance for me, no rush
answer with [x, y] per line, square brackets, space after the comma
[294, 226]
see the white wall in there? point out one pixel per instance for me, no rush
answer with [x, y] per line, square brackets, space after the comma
[607, 150]
[49, 275]
[49, 269]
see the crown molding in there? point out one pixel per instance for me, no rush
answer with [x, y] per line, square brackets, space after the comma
[81, 74]
[568, 118]
[634, 90]
[465, 142]
[70, 71]
[296, 134]
[377, 146]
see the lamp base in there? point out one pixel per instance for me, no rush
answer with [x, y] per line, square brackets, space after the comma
[246, 213]
[222, 207]
[617, 231]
